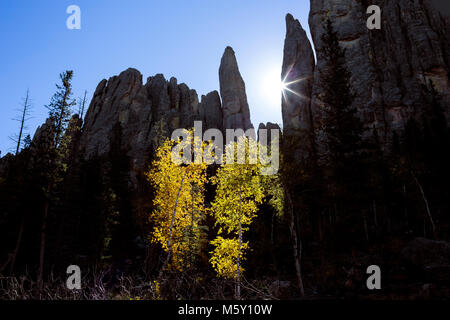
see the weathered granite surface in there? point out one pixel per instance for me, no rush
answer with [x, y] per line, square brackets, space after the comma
[390, 67]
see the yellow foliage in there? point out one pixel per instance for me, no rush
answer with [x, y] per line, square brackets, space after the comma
[156, 290]
[224, 257]
[239, 191]
[274, 189]
[179, 204]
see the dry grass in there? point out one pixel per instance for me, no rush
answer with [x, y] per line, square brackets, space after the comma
[99, 286]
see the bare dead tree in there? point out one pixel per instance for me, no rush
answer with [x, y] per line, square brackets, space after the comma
[22, 118]
[81, 105]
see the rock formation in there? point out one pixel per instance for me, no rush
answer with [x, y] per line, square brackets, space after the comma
[236, 113]
[145, 111]
[125, 100]
[210, 111]
[297, 74]
[391, 68]
[269, 126]
[139, 109]
[5, 163]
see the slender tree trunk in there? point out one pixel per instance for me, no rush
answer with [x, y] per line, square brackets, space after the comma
[81, 111]
[59, 240]
[335, 214]
[375, 216]
[238, 278]
[388, 218]
[424, 227]
[366, 229]
[169, 242]
[430, 217]
[22, 123]
[297, 245]
[320, 227]
[405, 205]
[42, 249]
[59, 126]
[271, 229]
[16, 249]
[272, 242]
[191, 237]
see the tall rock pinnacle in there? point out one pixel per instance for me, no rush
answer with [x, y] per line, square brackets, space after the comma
[298, 76]
[393, 70]
[236, 112]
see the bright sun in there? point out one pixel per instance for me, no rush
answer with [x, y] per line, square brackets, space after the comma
[272, 86]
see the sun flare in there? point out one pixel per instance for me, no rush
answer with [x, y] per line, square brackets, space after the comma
[272, 87]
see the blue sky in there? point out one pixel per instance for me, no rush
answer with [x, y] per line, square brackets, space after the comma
[183, 38]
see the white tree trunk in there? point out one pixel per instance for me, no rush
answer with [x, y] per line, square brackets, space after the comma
[169, 242]
[238, 278]
[430, 217]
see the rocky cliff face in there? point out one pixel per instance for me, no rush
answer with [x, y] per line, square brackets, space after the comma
[158, 107]
[391, 68]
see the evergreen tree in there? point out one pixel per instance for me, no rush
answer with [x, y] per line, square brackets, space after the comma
[345, 172]
[27, 142]
[60, 106]
[118, 197]
[342, 127]
[57, 151]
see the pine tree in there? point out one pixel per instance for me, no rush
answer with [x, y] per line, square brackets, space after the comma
[60, 106]
[342, 127]
[345, 172]
[57, 151]
[27, 141]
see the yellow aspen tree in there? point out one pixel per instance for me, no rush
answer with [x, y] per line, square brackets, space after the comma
[178, 205]
[239, 191]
